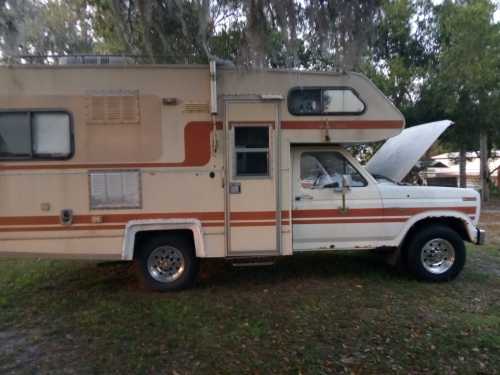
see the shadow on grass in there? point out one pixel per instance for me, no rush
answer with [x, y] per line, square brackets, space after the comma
[338, 267]
[302, 268]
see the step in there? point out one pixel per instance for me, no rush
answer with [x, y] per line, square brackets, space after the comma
[252, 262]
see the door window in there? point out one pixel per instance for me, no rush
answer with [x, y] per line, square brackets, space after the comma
[324, 169]
[252, 151]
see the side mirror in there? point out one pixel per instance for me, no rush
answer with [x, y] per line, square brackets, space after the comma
[347, 181]
[345, 185]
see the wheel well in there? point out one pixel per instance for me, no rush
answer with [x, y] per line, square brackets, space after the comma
[451, 222]
[143, 236]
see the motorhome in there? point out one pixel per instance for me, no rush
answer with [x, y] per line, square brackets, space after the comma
[168, 164]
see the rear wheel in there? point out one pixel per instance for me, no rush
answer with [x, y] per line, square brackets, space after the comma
[167, 263]
[436, 253]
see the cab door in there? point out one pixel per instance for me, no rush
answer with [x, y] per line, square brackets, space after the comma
[325, 216]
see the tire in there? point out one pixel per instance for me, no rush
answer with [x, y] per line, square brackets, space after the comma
[436, 253]
[167, 263]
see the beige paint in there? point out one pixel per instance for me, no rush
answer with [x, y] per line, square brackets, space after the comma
[157, 138]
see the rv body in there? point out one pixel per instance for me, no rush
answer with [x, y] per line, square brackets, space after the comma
[101, 162]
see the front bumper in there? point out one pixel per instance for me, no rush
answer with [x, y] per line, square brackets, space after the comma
[481, 236]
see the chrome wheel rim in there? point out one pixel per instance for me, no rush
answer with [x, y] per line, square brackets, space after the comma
[438, 256]
[166, 264]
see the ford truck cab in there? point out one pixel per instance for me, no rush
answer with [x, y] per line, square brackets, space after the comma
[426, 225]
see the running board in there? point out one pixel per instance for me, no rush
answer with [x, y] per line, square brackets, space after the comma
[252, 262]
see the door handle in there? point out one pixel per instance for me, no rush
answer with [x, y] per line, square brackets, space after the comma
[304, 197]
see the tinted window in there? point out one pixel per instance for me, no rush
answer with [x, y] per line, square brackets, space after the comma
[252, 150]
[31, 135]
[251, 163]
[15, 135]
[324, 101]
[251, 136]
[305, 102]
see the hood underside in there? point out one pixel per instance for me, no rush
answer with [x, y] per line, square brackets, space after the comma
[398, 155]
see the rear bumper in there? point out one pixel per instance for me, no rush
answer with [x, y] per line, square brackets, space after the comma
[481, 236]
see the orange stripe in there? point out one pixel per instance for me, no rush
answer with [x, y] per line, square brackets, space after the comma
[295, 125]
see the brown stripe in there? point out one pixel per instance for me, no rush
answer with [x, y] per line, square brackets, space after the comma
[353, 221]
[469, 199]
[219, 216]
[375, 212]
[253, 224]
[196, 144]
[253, 215]
[109, 218]
[417, 210]
[358, 124]
[270, 123]
[337, 213]
[62, 228]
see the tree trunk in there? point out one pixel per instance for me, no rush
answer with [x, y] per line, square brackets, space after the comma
[462, 164]
[483, 165]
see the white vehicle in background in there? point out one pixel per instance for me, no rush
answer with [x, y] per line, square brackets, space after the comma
[164, 165]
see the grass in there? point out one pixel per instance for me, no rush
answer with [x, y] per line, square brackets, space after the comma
[306, 314]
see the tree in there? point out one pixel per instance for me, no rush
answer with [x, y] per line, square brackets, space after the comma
[54, 27]
[402, 52]
[466, 83]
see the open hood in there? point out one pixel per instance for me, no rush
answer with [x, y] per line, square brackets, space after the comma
[398, 155]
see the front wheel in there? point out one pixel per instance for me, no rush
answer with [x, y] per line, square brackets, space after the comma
[167, 263]
[436, 253]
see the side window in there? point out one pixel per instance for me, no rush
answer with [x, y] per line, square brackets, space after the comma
[35, 135]
[342, 101]
[324, 169]
[313, 101]
[115, 189]
[251, 144]
[15, 135]
[51, 135]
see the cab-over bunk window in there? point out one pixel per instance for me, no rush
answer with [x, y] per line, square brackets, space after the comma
[26, 135]
[311, 101]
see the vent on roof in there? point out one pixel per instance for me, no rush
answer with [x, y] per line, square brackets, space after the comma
[94, 60]
[196, 107]
[113, 108]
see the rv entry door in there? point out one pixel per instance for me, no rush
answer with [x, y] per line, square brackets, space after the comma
[252, 213]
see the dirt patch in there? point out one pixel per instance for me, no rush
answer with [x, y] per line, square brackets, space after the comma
[17, 351]
[35, 351]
